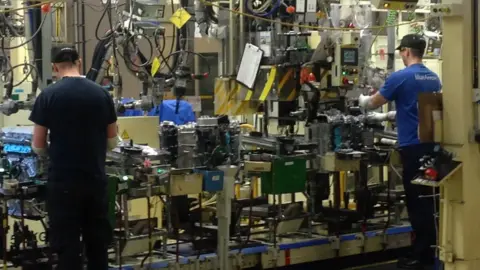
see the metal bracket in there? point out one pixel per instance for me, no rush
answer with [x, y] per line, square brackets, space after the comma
[334, 242]
[447, 256]
[275, 253]
[174, 266]
[476, 95]
[239, 260]
[196, 263]
[361, 240]
[214, 262]
[385, 240]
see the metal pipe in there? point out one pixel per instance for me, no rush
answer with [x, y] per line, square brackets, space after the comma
[46, 40]
[84, 39]
[241, 26]
[391, 49]
[221, 59]
[126, 225]
[476, 52]
[231, 39]
[75, 24]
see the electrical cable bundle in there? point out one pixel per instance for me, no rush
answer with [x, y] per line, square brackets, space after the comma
[28, 68]
[210, 14]
[98, 58]
[262, 10]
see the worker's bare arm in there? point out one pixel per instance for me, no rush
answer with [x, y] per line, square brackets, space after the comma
[39, 140]
[112, 130]
[377, 101]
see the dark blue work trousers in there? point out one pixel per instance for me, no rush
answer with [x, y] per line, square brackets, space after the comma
[420, 203]
[78, 218]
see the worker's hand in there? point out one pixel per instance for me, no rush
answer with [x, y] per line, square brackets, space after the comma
[363, 101]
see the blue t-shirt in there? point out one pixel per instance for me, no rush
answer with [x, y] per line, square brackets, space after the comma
[167, 112]
[403, 87]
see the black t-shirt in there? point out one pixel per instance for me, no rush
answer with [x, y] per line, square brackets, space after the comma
[77, 112]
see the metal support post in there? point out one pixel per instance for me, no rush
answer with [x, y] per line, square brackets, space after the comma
[241, 44]
[46, 50]
[232, 44]
[391, 49]
[459, 219]
[76, 11]
[224, 211]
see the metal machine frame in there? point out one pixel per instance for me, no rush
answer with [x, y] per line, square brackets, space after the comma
[459, 234]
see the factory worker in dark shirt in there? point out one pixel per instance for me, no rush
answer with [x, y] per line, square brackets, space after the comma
[80, 118]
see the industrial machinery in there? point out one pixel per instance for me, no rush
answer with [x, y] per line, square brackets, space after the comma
[134, 172]
[314, 177]
[23, 188]
[210, 142]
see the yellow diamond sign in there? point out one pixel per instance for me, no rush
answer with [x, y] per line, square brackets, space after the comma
[180, 17]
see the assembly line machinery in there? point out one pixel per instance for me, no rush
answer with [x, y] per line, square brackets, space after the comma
[240, 195]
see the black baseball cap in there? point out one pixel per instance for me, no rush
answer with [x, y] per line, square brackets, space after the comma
[64, 53]
[413, 41]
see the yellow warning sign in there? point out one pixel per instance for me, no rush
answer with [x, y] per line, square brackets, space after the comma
[155, 66]
[180, 17]
[125, 135]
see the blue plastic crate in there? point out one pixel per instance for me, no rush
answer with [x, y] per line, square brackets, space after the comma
[212, 180]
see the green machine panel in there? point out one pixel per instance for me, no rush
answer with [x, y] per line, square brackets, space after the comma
[288, 175]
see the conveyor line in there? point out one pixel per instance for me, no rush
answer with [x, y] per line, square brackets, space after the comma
[266, 248]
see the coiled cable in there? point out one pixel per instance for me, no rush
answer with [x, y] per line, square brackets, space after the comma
[131, 40]
[30, 38]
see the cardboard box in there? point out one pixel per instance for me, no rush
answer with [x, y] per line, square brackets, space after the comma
[430, 107]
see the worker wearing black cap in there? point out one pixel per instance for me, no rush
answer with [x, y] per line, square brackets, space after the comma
[403, 88]
[81, 120]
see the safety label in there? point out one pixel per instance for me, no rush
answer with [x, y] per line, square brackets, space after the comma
[125, 135]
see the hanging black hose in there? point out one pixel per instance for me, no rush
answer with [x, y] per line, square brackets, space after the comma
[161, 50]
[98, 58]
[36, 23]
[106, 10]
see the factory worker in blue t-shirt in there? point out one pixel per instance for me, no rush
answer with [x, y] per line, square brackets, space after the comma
[403, 88]
[178, 111]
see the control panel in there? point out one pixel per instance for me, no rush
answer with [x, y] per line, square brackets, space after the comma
[395, 4]
[446, 10]
[349, 67]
